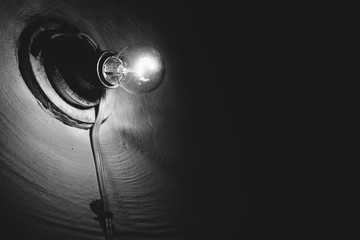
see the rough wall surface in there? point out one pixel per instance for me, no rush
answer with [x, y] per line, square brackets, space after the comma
[169, 173]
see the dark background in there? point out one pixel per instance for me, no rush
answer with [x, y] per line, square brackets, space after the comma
[245, 66]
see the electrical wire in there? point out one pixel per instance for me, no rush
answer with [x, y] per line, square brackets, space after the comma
[100, 168]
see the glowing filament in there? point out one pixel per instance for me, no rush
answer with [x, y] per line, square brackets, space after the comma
[144, 65]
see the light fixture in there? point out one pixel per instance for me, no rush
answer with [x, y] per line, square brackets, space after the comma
[137, 69]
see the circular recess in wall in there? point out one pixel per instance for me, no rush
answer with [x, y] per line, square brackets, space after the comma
[58, 64]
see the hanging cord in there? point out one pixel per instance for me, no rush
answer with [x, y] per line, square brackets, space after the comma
[100, 168]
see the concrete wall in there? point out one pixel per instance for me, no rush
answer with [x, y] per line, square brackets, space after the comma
[169, 160]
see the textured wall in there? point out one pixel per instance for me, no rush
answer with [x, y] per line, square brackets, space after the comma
[168, 156]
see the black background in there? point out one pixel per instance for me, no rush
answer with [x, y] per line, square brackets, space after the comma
[247, 69]
[242, 65]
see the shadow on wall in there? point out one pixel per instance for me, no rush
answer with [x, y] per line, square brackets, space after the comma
[97, 207]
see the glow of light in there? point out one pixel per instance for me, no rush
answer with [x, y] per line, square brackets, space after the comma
[144, 65]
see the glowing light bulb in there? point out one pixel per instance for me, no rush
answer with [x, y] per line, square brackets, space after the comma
[138, 69]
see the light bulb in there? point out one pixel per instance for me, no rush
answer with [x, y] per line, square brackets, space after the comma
[137, 69]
